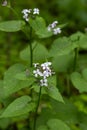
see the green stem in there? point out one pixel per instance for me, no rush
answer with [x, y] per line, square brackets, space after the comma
[35, 118]
[75, 59]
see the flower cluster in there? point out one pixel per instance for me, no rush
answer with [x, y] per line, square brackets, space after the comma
[52, 27]
[29, 12]
[4, 3]
[42, 72]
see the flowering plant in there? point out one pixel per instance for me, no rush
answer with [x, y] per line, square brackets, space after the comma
[33, 87]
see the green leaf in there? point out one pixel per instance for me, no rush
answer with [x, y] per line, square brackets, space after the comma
[24, 76]
[62, 46]
[11, 26]
[42, 127]
[1, 90]
[51, 90]
[76, 36]
[18, 107]
[62, 63]
[80, 38]
[59, 111]
[38, 51]
[39, 26]
[79, 82]
[84, 74]
[55, 124]
[54, 93]
[83, 42]
[12, 84]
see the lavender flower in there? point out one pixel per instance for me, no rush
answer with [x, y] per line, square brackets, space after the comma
[52, 27]
[42, 72]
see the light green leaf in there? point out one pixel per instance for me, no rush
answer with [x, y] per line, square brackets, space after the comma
[40, 53]
[12, 84]
[62, 46]
[18, 107]
[11, 26]
[62, 63]
[83, 42]
[39, 25]
[55, 124]
[23, 76]
[84, 74]
[54, 93]
[79, 82]
[80, 38]
[76, 36]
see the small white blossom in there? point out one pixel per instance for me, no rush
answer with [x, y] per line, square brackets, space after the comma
[35, 11]
[43, 82]
[46, 65]
[27, 13]
[56, 31]
[52, 27]
[37, 73]
[49, 28]
[42, 72]
[5, 3]
[36, 64]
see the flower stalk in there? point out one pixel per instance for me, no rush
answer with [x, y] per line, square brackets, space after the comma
[36, 111]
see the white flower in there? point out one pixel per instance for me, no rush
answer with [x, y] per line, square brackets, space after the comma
[29, 13]
[53, 25]
[4, 3]
[46, 65]
[56, 31]
[49, 28]
[43, 82]
[36, 64]
[25, 11]
[37, 73]
[42, 72]
[26, 14]
[35, 11]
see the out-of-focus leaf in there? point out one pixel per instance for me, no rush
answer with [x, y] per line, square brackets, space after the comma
[12, 26]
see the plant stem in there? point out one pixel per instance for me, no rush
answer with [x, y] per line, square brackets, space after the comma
[75, 59]
[35, 118]
[31, 49]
